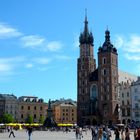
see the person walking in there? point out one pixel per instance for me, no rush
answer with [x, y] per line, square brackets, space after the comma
[104, 136]
[11, 132]
[100, 133]
[127, 134]
[117, 134]
[94, 133]
[29, 131]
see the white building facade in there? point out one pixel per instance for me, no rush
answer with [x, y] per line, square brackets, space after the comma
[125, 102]
[135, 96]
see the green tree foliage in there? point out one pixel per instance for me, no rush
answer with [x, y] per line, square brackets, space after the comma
[29, 119]
[6, 118]
[41, 119]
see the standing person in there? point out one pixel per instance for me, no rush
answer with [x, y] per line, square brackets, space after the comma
[100, 133]
[117, 134]
[77, 132]
[93, 133]
[138, 134]
[127, 134]
[135, 134]
[104, 137]
[122, 134]
[11, 132]
[29, 130]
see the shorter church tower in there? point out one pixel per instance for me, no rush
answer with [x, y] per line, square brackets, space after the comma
[108, 80]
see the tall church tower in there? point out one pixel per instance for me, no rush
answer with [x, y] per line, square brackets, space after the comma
[86, 65]
[108, 80]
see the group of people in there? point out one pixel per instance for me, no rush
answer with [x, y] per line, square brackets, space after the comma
[29, 131]
[100, 133]
[104, 133]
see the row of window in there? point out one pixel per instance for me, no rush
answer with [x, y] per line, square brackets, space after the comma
[113, 60]
[125, 112]
[66, 110]
[66, 114]
[126, 94]
[128, 103]
[29, 107]
[34, 116]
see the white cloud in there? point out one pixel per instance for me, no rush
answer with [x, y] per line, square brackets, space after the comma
[40, 43]
[7, 32]
[135, 57]
[62, 57]
[29, 65]
[42, 60]
[129, 44]
[32, 41]
[54, 46]
[5, 67]
[8, 65]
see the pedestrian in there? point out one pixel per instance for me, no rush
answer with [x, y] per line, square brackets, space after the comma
[29, 131]
[135, 134]
[104, 136]
[127, 134]
[122, 135]
[100, 133]
[94, 133]
[11, 132]
[138, 134]
[117, 134]
[77, 132]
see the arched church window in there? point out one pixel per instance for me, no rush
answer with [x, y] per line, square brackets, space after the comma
[105, 72]
[94, 92]
[104, 60]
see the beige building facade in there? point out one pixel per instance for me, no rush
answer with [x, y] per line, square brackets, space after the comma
[65, 113]
[32, 106]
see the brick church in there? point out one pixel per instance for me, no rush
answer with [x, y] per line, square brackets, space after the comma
[97, 96]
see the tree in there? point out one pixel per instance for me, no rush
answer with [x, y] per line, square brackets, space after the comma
[7, 118]
[29, 119]
[41, 119]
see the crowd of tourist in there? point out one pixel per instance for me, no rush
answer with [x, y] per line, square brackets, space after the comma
[104, 133]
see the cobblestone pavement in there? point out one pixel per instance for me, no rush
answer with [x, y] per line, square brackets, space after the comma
[47, 135]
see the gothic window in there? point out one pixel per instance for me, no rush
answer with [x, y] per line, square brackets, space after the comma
[104, 72]
[93, 92]
[104, 60]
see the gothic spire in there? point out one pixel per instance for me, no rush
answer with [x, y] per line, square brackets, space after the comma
[86, 37]
[86, 32]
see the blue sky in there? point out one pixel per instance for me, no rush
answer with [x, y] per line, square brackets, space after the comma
[39, 42]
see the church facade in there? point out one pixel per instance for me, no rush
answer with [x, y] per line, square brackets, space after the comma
[97, 96]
